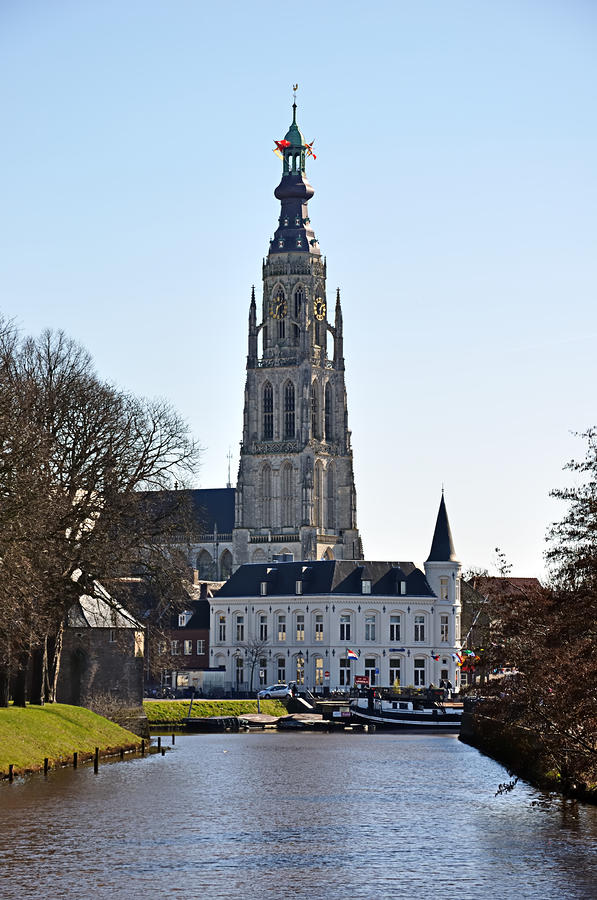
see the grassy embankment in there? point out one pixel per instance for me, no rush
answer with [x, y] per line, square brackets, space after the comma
[56, 731]
[172, 712]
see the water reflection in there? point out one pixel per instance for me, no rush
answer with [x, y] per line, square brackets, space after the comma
[330, 816]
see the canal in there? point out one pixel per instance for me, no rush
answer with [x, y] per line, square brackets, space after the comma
[299, 815]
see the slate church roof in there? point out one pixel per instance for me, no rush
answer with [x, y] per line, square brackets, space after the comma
[208, 507]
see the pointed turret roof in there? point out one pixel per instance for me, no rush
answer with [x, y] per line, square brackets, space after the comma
[442, 546]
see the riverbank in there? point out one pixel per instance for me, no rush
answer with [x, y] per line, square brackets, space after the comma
[56, 732]
[521, 752]
[170, 713]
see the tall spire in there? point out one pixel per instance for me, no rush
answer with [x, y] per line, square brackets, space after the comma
[294, 232]
[442, 546]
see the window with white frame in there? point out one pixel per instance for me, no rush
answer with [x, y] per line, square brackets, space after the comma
[264, 588]
[419, 628]
[370, 667]
[300, 627]
[444, 628]
[200, 647]
[263, 627]
[420, 673]
[370, 627]
[281, 627]
[394, 627]
[240, 670]
[174, 648]
[345, 627]
[366, 586]
[300, 670]
[221, 628]
[318, 670]
[281, 670]
[162, 647]
[262, 671]
[457, 628]
[319, 627]
[187, 648]
[444, 588]
[184, 618]
[240, 628]
[395, 676]
[345, 672]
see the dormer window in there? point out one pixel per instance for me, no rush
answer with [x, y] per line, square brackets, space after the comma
[264, 588]
[184, 618]
[299, 242]
[298, 587]
[297, 220]
[403, 587]
[281, 242]
[286, 222]
[366, 586]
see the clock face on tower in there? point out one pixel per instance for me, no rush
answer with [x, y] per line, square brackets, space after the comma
[319, 308]
[278, 307]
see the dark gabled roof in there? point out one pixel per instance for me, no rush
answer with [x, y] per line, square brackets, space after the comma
[442, 546]
[207, 508]
[200, 617]
[327, 577]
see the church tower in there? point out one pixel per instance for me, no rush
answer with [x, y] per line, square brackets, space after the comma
[295, 492]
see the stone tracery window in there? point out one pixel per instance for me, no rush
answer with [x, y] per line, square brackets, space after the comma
[329, 413]
[287, 495]
[289, 410]
[268, 412]
[266, 493]
[331, 498]
[315, 431]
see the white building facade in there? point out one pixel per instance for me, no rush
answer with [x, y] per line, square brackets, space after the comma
[321, 623]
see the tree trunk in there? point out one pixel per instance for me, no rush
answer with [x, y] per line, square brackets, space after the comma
[54, 668]
[4, 686]
[39, 669]
[19, 693]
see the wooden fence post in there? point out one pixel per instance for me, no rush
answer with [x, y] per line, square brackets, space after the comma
[96, 760]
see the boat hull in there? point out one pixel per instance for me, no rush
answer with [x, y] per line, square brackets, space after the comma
[409, 723]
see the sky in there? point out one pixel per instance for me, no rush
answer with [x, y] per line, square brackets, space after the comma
[455, 198]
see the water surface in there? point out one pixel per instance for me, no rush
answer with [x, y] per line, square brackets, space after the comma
[299, 815]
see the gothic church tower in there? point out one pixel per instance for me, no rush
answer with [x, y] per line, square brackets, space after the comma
[295, 491]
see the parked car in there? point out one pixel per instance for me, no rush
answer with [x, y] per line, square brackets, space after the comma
[275, 691]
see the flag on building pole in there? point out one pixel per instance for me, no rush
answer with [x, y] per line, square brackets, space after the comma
[353, 654]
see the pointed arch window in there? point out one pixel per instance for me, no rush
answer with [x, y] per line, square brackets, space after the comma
[329, 412]
[318, 494]
[315, 432]
[287, 495]
[266, 494]
[299, 299]
[331, 498]
[289, 410]
[268, 412]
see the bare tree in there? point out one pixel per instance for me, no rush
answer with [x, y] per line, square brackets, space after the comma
[77, 455]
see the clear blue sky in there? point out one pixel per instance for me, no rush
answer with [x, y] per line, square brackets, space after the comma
[455, 200]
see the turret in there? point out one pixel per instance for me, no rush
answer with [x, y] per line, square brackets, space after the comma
[252, 354]
[442, 567]
[338, 335]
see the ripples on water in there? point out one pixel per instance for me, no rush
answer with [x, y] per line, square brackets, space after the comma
[298, 815]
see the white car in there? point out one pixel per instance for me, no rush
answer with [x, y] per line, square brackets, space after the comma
[275, 691]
